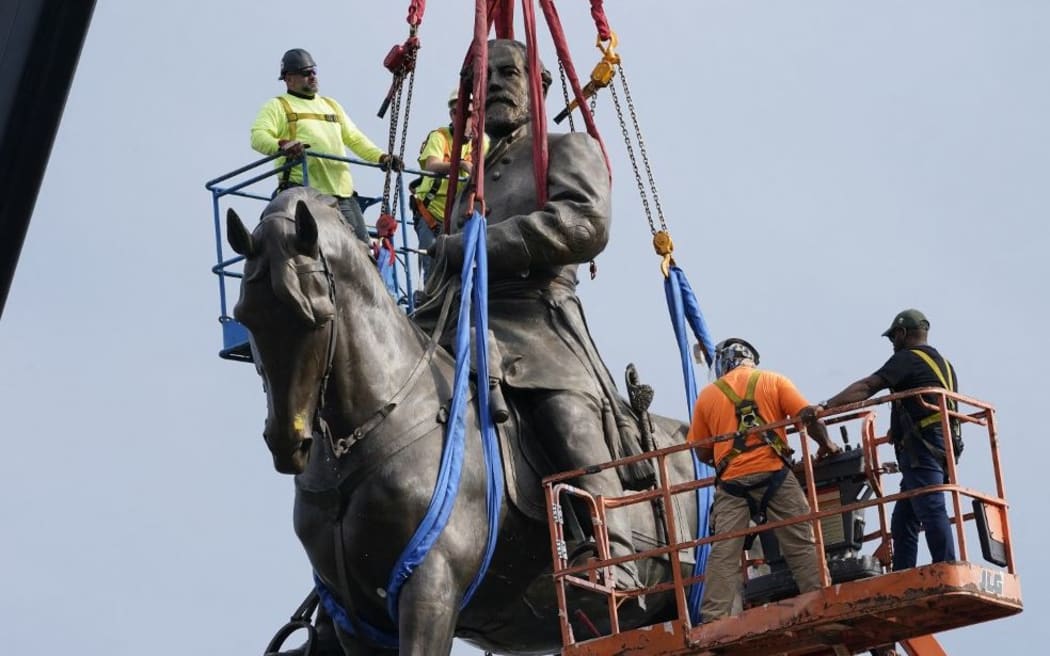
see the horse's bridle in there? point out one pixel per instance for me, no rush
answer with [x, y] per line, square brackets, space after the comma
[342, 445]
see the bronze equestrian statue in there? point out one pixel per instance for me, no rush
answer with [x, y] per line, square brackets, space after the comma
[549, 362]
[356, 394]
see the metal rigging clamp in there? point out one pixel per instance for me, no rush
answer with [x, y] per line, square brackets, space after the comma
[601, 76]
[401, 60]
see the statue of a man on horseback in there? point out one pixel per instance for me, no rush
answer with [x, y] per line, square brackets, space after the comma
[549, 363]
[368, 451]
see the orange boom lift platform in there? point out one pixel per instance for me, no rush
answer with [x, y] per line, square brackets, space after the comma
[862, 607]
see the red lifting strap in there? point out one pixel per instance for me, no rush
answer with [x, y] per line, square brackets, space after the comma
[562, 47]
[539, 113]
[500, 13]
[600, 21]
[502, 16]
[416, 8]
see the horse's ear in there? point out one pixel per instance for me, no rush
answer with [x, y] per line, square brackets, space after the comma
[305, 229]
[238, 236]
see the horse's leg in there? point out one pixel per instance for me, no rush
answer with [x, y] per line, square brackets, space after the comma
[429, 607]
[352, 647]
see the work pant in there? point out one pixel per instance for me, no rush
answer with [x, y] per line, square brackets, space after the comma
[926, 511]
[426, 236]
[348, 206]
[570, 425]
[722, 576]
[351, 210]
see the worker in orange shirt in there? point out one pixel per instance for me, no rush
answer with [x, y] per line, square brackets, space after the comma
[753, 475]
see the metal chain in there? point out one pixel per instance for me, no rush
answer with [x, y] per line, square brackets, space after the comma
[404, 138]
[395, 115]
[634, 163]
[388, 206]
[641, 149]
[565, 93]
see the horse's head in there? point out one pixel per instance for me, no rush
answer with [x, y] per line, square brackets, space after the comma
[287, 303]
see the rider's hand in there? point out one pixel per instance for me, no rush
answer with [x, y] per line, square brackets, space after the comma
[466, 166]
[291, 148]
[447, 250]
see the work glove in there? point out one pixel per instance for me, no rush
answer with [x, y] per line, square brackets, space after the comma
[292, 149]
[828, 450]
[392, 162]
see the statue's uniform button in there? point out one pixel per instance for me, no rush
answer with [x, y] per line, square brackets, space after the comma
[505, 160]
[496, 175]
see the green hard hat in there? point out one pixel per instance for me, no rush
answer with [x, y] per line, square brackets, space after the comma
[908, 319]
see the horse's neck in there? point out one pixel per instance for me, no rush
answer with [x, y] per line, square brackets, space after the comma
[377, 347]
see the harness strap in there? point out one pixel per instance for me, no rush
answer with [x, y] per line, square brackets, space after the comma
[431, 186]
[293, 117]
[422, 208]
[757, 509]
[748, 417]
[346, 618]
[343, 445]
[946, 383]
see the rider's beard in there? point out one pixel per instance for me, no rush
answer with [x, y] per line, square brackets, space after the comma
[502, 118]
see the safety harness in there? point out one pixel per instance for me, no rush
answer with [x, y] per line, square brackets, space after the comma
[946, 378]
[293, 119]
[748, 417]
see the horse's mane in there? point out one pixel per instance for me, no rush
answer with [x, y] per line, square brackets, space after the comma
[340, 238]
[285, 201]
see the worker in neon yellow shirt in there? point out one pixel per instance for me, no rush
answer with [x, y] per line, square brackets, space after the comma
[301, 118]
[430, 194]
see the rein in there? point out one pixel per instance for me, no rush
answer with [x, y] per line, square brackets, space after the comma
[342, 445]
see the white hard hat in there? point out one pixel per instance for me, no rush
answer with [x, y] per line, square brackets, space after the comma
[453, 97]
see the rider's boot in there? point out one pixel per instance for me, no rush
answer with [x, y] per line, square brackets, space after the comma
[573, 426]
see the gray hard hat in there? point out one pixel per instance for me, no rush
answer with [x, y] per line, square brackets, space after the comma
[295, 59]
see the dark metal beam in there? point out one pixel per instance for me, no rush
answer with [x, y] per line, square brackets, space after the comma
[40, 43]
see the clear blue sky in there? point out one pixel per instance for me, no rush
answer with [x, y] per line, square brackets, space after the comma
[821, 164]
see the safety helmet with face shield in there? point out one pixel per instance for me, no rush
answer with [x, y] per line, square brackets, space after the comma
[733, 352]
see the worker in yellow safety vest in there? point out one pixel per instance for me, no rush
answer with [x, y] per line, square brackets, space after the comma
[300, 119]
[430, 194]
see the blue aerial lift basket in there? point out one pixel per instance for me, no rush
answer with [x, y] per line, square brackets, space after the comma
[238, 183]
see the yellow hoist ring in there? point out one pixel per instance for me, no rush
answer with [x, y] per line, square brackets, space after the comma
[663, 246]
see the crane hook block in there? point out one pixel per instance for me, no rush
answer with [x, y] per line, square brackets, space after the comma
[662, 243]
[663, 246]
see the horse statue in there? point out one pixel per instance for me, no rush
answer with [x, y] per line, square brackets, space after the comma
[355, 399]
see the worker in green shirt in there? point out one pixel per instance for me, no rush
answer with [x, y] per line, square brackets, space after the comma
[301, 118]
